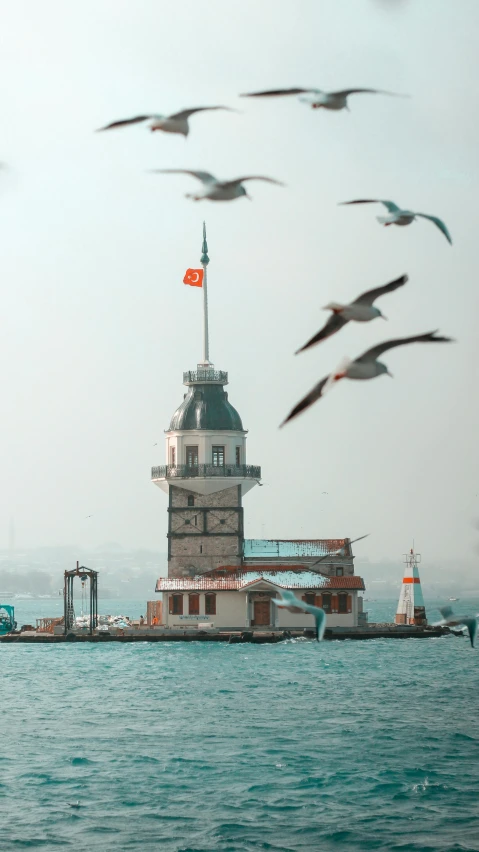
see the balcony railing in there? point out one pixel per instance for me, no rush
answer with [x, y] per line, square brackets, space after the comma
[206, 375]
[185, 471]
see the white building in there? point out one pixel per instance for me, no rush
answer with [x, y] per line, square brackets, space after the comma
[214, 574]
[237, 599]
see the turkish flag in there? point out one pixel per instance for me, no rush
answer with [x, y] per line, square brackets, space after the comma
[193, 277]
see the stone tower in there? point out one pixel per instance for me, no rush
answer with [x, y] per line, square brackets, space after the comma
[206, 474]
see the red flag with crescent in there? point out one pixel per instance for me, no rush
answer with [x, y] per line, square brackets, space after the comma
[193, 277]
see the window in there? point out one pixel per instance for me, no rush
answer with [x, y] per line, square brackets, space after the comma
[343, 603]
[191, 500]
[193, 604]
[195, 520]
[173, 456]
[327, 603]
[218, 456]
[310, 598]
[339, 572]
[238, 456]
[210, 604]
[192, 456]
[176, 604]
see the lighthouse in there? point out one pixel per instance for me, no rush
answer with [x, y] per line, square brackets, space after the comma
[206, 474]
[411, 609]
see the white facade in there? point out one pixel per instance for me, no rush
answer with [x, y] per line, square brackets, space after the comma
[185, 605]
[234, 444]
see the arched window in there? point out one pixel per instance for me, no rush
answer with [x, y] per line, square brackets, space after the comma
[210, 604]
[191, 500]
[193, 604]
[326, 602]
[343, 603]
[176, 605]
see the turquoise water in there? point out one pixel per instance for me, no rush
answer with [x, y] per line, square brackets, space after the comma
[218, 748]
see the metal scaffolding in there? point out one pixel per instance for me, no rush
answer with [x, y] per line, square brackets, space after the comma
[84, 574]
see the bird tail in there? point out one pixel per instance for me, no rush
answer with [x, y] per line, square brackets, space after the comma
[333, 306]
[339, 371]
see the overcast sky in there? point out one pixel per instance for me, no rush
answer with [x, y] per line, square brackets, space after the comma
[97, 326]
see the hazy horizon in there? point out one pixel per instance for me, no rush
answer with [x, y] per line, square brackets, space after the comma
[98, 327]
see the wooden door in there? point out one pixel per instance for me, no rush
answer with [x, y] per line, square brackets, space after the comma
[262, 613]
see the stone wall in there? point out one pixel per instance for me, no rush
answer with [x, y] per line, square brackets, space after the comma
[204, 536]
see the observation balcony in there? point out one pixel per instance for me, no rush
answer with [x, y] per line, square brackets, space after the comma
[205, 375]
[205, 471]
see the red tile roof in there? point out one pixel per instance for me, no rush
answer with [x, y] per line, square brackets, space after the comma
[339, 583]
[298, 578]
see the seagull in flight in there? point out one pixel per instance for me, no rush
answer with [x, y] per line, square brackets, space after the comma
[288, 600]
[318, 99]
[340, 552]
[217, 190]
[366, 366]
[177, 122]
[398, 216]
[465, 622]
[361, 310]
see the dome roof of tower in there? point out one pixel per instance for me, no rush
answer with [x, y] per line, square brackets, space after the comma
[206, 406]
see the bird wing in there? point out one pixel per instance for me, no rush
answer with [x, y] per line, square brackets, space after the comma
[345, 92]
[370, 296]
[390, 205]
[125, 121]
[287, 599]
[376, 351]
[308, 400]
[337, 552]
[185, 113]
[471, 625]
[319, 618]
[334, 323]
[446, 612]
[272, 93]
[204, 177]
[440, 224]
[239, 180]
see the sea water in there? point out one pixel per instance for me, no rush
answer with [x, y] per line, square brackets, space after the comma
[192, 747]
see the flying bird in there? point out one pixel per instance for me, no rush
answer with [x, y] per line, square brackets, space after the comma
[340, 552]
[398, 216]
[365, 367]
[467, 622]
[361, 310]
[288, 600]
[217, 190]
[317, 98]
[177, 122]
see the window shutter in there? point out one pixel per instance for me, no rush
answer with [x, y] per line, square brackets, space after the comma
[334, 603]
[194, 604]
[304, 598]
[350, 603]
[319, 600]
[170, 604]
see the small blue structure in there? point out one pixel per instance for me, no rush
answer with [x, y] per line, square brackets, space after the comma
[7, 619]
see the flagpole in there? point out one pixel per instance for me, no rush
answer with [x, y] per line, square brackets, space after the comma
[204, 263]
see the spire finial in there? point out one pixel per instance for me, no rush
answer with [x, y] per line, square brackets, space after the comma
[204, 248]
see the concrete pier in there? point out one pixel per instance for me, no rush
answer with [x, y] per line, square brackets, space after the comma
[258, 637]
